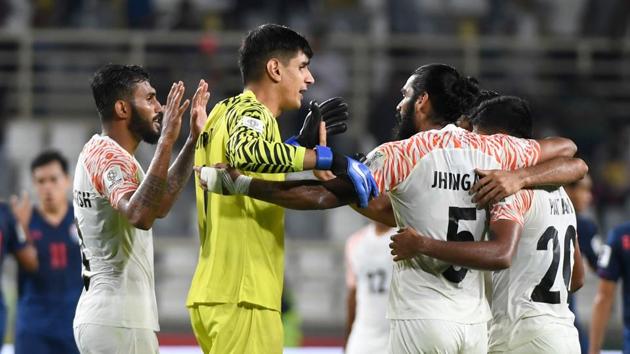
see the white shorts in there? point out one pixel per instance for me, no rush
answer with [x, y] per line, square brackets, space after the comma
[98, 339]
[553, 339]
[367, 341]
[437, 337]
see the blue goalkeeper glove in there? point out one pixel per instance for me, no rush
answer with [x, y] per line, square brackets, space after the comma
[334, 112]
[354, 171]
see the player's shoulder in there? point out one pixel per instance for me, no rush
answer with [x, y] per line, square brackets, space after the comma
[102, 150]
[619, 231]
[246, 104]
[450, 136]
[101, 145]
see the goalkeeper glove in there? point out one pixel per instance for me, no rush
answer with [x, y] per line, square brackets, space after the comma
[354, 171]
[334, 112]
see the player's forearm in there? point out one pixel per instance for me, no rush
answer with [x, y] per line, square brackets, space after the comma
[495, 254]
[299, 195]
[254, 154]
[556, 147]
[143, 206]
[599, 319]
[557, 171]
[379, 209]
[483, 255]
[178, 175]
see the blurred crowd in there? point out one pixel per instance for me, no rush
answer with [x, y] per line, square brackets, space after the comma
[598, 18]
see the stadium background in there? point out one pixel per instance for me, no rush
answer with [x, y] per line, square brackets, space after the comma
[569, 58]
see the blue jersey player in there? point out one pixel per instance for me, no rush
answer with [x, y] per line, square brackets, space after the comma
[581, 196]
[47, 299]
[13, 241]
[614, 264]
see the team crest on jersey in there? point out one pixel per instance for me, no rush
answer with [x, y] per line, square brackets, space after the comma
[375, 160]
[113, 176]
[252, 123]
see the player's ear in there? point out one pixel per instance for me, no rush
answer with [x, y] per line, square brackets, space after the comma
[273, 69]
[122, 109]
[422, 104]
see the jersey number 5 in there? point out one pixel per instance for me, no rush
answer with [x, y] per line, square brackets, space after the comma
[454, 216]
[542, 292]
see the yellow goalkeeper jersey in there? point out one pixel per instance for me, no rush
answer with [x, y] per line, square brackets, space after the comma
[242, 239]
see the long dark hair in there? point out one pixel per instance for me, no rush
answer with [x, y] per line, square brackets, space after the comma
[450, 93]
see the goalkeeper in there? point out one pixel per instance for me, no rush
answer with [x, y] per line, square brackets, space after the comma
[235, 296]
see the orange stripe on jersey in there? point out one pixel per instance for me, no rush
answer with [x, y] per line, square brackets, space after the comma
[391, 163]
[513, 208]
[102, 155]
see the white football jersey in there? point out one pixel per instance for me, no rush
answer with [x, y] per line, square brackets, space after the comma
[117, 257]
[369, 269]
[534, 290]
[428, 177]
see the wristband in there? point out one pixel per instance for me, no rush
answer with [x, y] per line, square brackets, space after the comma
[293, 141]
[324, 158]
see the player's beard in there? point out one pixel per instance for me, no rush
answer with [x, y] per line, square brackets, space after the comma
[143, 128]
[405, 127]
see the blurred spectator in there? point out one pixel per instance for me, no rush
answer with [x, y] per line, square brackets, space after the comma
[5, 9]
[614, 264]
[4, 161]
[581, 196]
[140, 14]
[368, 275]
[56, 13]
[606, 18]
[328, 66]
[613, 171]
[13, 240]
[48, 296]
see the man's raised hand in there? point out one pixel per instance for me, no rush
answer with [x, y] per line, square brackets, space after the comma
[198, 106]
[173, 111]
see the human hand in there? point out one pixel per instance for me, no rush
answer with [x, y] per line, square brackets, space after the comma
[222, 179]
[364, 184]
[323, 175]
[22, 209]
[405, 244]
[494, 186]
[334, 113]
[198, 107]
[173, 112]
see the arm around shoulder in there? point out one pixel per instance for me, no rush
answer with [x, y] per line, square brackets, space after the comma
[556, 147]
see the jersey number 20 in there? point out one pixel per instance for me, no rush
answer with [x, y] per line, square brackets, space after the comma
[542, 292]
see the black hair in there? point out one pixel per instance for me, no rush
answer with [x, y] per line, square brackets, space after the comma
[507, 114]
[114, 82]
[48, 156]
[265, 42]
[450, 94]
[484, 95]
